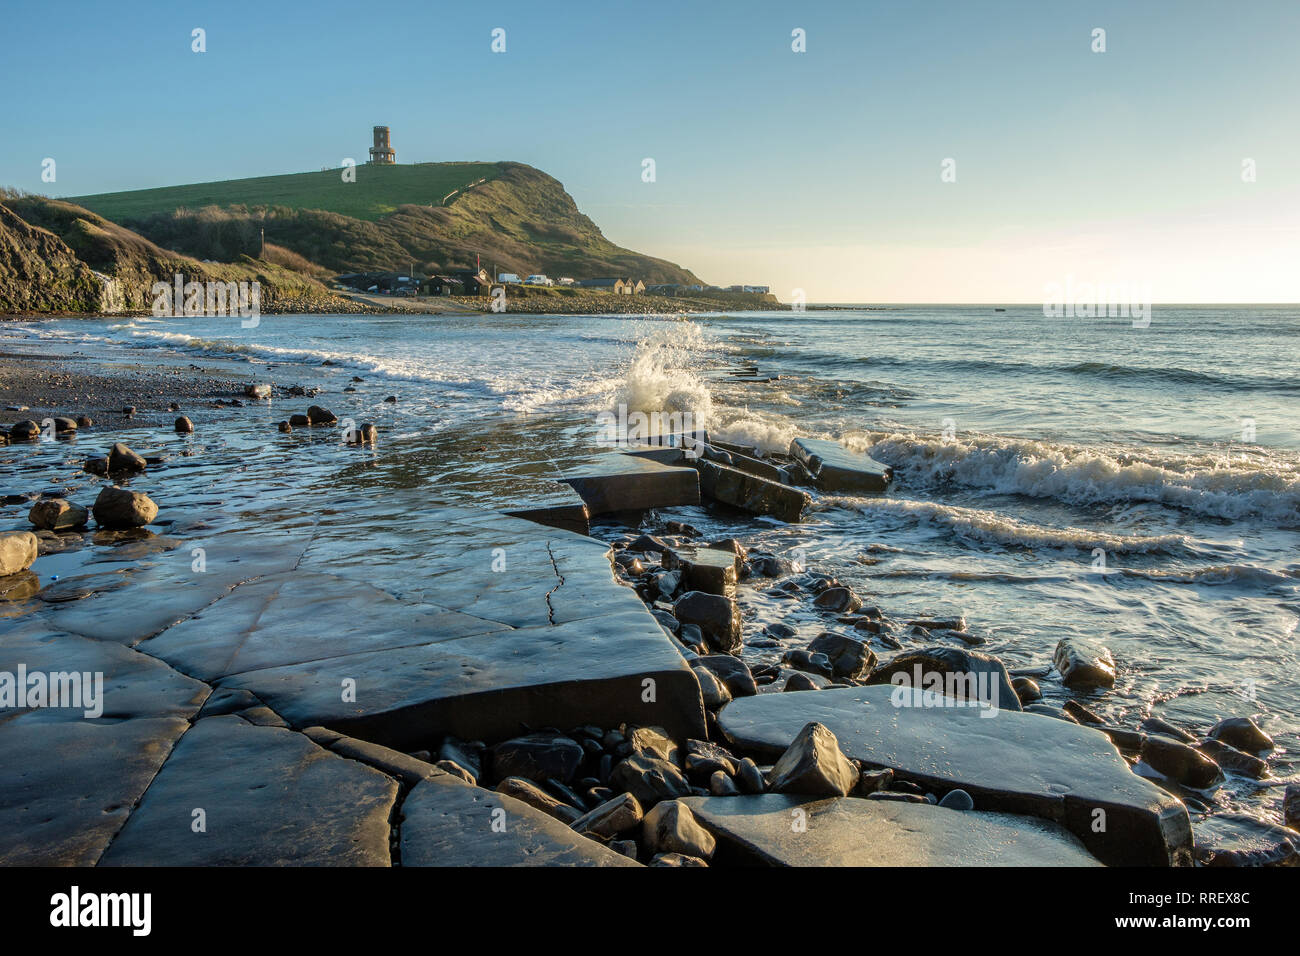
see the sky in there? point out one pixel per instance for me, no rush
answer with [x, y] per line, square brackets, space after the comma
[819, 171]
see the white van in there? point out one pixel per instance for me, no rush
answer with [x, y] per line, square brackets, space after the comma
[508, 277]
[538, 280]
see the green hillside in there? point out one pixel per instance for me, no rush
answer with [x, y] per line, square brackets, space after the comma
[378, 191]
[392, 218]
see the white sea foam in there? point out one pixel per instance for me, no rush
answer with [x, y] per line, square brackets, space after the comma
[992, 527]
[1212, 485]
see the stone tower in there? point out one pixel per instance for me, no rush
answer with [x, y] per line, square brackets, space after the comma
[382, 153]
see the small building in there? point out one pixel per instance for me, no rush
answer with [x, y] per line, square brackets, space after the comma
[473, 282]
[607, 284]
[442, 285]
[615, 285]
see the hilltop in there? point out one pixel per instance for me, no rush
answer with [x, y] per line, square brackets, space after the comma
[434, 216]
[378, 191]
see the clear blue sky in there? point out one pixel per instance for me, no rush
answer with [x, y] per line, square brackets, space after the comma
[818, 170]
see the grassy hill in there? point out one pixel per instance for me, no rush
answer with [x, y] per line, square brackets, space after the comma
[437, 216]
[378, 191]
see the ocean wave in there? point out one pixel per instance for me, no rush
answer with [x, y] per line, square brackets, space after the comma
[1210, 485]
[992, 527]
[1249, 574]
[1153, 374]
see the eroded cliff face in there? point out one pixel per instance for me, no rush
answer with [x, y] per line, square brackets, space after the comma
[39, 273]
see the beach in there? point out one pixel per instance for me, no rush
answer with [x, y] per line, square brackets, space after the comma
[1039, 510]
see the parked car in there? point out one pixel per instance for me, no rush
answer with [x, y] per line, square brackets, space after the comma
[567, 281]
[538, 280]
[508, 277]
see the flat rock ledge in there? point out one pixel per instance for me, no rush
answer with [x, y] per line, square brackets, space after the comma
[789, 830]
[1008, 761]
[448, 822]
[235, 794]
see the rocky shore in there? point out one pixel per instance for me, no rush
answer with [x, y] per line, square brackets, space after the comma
[577, 677]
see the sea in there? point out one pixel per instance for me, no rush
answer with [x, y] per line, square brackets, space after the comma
[1135, 483]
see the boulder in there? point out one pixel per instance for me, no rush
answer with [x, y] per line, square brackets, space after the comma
[834, 468]
[671, 828]
[655, 742]
[1026, 689]
[750, 492]
[260, 391]
[18, 549]
[964, 674]
[537, 757]
[717, 616]
[649, 779]
[800, 681]
[1233, 760]
[1242, 733]
[611, 818]
[122, 508]
[316, 415]
[841, 600]
[57, 514]
[122, 460]
[65, 426]
[849, 657]
[297, 421]
[731, 671]
[528, 792]
[711, 570]
[814, 765]
[24, 431]
[1084, 663]
[713, 690]
[1181, 763]
[184, 426]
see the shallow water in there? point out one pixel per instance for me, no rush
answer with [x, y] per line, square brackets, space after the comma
[1053, 476]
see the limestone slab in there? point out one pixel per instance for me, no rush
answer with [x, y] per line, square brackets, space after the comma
[1013, 761]
[750, 492]
[628, 483]
[448, 822]
[66, 787]
[278, 620]
[270, 797]
[849, 831]
[835, 468]
[488, 686]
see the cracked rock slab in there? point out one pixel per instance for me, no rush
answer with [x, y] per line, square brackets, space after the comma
[617, 482]
[847, 831]
[490, 685]
[1012, 761]
[66, 787]
[269, 797]
[447, 822]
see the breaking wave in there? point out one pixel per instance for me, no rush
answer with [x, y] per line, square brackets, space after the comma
[1210, 485]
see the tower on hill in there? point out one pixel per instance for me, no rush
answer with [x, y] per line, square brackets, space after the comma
[382, 153]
